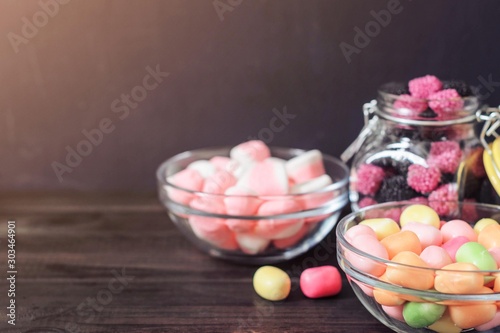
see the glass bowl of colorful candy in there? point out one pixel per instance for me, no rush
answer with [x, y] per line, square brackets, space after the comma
[417, 271]
[251, 203]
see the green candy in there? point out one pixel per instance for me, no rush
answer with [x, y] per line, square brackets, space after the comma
[476, 254]
[419, 315]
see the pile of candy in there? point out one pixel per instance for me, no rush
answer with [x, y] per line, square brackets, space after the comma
[252, 183]
[428, 97]
[274, 284]
[445, 258]
[429, 171]
[405, 181]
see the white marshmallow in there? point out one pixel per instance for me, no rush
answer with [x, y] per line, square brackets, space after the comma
[312, 185]
[266, 177]
[251, 244]
[305, 166]
[204, 167]
[250, 151]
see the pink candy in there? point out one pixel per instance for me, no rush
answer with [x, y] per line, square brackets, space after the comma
[241, 201]
[457, 228]
[454, 244]
[219, 182]
[266, 177]
[436, 257]
[278, 228]
[368, 244]
[427, 234]
[188, 179]
[250, 151]
[246, 185]
[320, 282]
[305, 166]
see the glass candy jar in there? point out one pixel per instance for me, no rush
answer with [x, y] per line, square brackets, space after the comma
[415, 149]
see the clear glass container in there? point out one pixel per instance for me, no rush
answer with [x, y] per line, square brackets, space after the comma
[406, 151]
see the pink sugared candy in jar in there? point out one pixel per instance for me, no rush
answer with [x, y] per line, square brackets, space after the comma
[251, 189]
[453, 257]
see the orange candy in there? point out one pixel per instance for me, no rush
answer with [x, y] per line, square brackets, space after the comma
[402, 241]
[468, 316]
[489, 237]
[452, 282]
[410, 277]
[385, 297]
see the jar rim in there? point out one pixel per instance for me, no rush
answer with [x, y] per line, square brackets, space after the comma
[465, 112]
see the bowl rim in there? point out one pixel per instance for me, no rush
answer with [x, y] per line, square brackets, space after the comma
[397, 204]
[163, 181]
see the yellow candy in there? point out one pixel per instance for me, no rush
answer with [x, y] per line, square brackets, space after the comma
[271, 283]
[483, 223]
[420, 214]
[383, 227]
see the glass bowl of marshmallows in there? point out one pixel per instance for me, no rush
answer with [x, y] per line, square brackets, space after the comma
[251, 203]
[417, 271]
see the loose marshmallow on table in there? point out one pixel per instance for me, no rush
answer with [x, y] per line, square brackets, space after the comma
[204, 167]
[306, 166]
[266, 177]
[278, 228]
[250, 151]
[190, 180]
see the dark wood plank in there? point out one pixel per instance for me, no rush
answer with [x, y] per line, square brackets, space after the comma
[70, 248]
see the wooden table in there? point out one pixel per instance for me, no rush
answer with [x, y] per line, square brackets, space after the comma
[115, 263]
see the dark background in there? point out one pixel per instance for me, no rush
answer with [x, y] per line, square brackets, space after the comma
[225, 77]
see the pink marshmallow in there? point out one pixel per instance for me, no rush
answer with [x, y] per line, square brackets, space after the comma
[211, 229]
[250, 151]
[241, 226]
[453, 245]
[455, 228]
[427, 234]
[306, 166]
[285, 243]
[251, 244]
[241, 201]
[266, 177]
[219, 182]
[188, 179]
[220, 162]
[436, 257]
[278, 228]
[313, 200]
